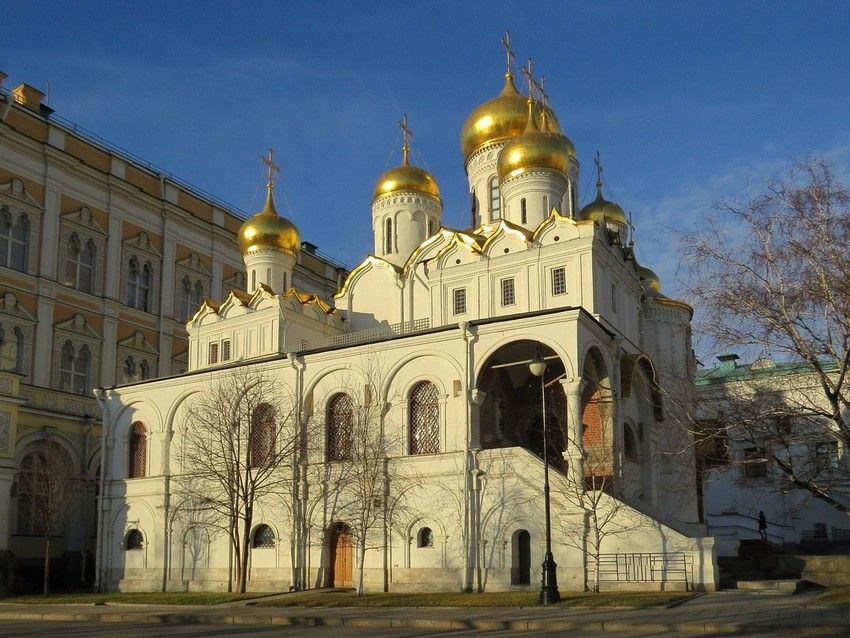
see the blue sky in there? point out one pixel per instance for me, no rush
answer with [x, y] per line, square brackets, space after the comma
[688, 103]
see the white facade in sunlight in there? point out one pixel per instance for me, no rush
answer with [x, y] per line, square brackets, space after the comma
[430, 322]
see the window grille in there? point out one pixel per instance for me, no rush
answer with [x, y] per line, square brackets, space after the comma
[137, 450]
[263, 537]
[559, 281]
[755, 463]
[261, 437]
[459, 299]
[213, 353]
[522, 210]
[424, 419]
[388, 239]
[225, 350]
[340, 428]
[508, 292]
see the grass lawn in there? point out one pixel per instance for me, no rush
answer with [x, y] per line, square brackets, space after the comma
[834, 596]
[143, 598]
[346, 598]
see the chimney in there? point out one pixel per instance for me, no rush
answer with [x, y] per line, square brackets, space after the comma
[31, 98]
[28, 96]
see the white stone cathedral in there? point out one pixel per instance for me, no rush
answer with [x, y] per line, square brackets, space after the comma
[440, 324]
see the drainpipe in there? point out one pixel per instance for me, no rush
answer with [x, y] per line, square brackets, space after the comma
[106, 423]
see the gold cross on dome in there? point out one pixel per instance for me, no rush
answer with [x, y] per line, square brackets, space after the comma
[272, 168]
[406, 135]
[528, 73]
[541, 89]
[598, 163]
[509, 52]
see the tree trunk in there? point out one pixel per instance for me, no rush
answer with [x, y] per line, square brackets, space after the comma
[596, 556]
[245, 555]
[361, 559]
[46, 565]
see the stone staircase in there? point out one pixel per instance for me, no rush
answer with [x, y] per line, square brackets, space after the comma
[761, 566]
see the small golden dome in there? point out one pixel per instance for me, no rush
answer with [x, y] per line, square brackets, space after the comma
[535, 149]
[503, 117]
[406, 178]
[601, 209]
[649, 279]
[267, 229]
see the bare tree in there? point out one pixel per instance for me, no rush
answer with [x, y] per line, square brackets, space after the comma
[597, 513]
[770, 276]
[47, 482]
[360, 472]
[239, 446]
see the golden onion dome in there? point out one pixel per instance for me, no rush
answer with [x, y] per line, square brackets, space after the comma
[267, 229]
[650, 279]
[501, 118]
[535, 149]
[601, 209]
[406, 178]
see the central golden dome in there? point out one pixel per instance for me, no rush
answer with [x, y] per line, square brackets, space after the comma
[406, 178]
[267, 229]
[535, 149]
[503, 117]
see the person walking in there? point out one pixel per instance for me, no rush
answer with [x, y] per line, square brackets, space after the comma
[762, 526]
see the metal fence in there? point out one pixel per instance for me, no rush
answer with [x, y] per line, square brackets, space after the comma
[838, 535]
[379, 333]
[646, 567]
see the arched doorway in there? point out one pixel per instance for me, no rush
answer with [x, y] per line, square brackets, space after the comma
[521, 557]
[511, 414]
[598, 436]
[341, 557]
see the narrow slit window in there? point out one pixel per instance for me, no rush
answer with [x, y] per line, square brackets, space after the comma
[459, 301]
[508, 292]
[559, 281]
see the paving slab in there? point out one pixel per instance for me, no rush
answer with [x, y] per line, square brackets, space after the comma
[728, 612]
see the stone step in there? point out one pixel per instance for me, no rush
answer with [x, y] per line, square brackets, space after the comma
[783, 585]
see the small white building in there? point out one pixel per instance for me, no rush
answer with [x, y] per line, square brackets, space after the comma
[440, 312]
[740, 474]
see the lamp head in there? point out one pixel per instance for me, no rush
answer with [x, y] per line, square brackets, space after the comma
[537, 365]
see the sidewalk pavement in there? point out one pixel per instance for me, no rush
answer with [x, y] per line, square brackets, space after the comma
[725, 612]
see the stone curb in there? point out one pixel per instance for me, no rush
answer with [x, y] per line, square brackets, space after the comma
[427, 623]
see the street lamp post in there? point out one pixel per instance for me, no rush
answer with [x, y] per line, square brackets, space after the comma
[549, 583]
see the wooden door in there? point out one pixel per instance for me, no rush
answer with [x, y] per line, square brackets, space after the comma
[343, 559]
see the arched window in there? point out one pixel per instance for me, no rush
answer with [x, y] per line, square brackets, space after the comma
[495, 199]
[137, 450]
[340, 428]
[79, 264]
[263, 537]
[424, 419]
[185, 298]
[261, 436]
[42, 469]
[523, 214]
[197, 297]
[74, 369]
[134, 541]
[12, 349]
[129, 370]
[425, 537]
[139, 279]
[388, 237]
[631, 441]
[13, 241]
[144, 371]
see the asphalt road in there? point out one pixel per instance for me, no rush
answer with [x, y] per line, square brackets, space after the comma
[36, 629]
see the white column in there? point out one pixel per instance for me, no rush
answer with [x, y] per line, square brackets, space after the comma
[49, 234]
[44, 335]
[575, 446]
[113, 258]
